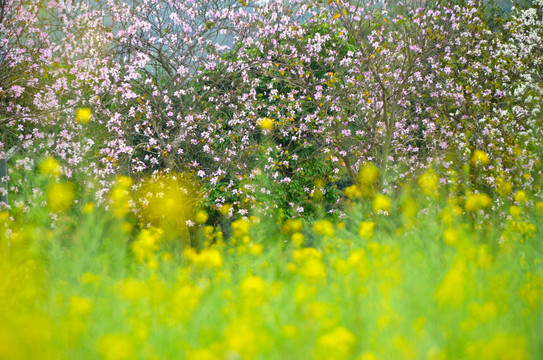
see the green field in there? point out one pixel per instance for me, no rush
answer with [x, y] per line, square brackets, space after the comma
[407, 277]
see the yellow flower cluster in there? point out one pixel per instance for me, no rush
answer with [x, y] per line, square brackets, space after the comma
[479, 157]
[324, 228]
[427, 283]
[366, 229]
[381, 203]
[209, 258]
[120, 197]
[49, 166]
[146, 246]
[478, 201]
[266, 123]
[83, 115]
[60, 196]
[429, 183]
[168, 201]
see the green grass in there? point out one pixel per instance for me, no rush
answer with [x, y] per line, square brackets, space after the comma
[442, 284]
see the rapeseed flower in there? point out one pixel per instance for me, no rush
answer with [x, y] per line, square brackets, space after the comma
[381, 203]
[168, 201]
[451, 237]
[297, 239]
[253, 286]
[324, 228]
[366, 229]
[201, 217]
[479, 157]
[452, 289]
[83, 115]
[520, 197]
[428, 183]
[503, 187]
[313, 270]
[504, 346]
[50, 167]
[266, 123]
[116, 347]
[240, 228]
[291, 226]
[87, 208]
[336, 344]
[352, 191]
[368, 174]
[476, 202]
[304, 254]
[120, 197]
[80, 305]
[146, 245]
[60, 197]
[208, 258]
[243, 339]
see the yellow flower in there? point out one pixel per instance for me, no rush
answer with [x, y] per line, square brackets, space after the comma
[244, 339]
[452, 289]
[451, 237]
[50, 167]
[368, 175]
[483, 312]
[539, 206]
[515, 211]
[503, 187]
[225, 209]
[209, 258]
[352, 192]
[297, 239]
[125, 181]
[116, 347]
[324, 228]
[87, 208]
[336, 344]
[80, 306]
[479, 158]
[131, 289]
[120, 198]
[366, 229]
[428, 183]
[167, 201]
[256, 249]
[127, 227]
[265, 123]
[368, 356]
[146, 245]
[289, 331]
[520, 196]
[240, 228]
[505, 346]
[304, 254]
[313, 271]
[60, 197]
[484, 259]
[201, 217]
[532, 291]
[381, 203]
[476, 202]
[83, 115]
[291, 226]
[4, 217]
[253, 287]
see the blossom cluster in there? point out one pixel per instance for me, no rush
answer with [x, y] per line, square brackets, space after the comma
[300, 93]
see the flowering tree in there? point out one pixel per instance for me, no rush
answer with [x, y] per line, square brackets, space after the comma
[300, 93]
